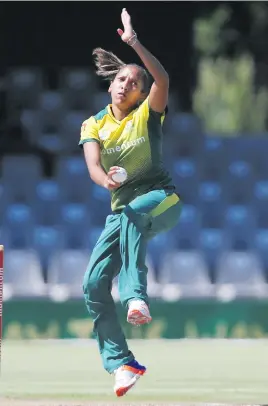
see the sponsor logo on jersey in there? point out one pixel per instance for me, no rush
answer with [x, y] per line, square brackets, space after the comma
[125, 145]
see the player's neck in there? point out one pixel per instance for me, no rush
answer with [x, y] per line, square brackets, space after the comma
[119, 114]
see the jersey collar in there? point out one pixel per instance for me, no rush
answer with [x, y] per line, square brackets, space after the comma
[110, 112]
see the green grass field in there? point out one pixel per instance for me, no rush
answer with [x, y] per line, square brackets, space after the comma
[70, 372]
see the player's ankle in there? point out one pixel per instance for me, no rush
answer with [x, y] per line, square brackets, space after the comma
[137, 301]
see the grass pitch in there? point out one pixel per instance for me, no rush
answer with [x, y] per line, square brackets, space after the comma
[59, 373]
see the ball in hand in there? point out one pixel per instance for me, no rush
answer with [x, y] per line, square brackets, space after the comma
[120, 176]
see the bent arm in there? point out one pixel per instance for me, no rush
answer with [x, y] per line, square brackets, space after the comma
[158, 96]
[96, 171]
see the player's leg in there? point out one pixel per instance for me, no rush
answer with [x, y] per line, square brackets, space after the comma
[165, 216]
[104, 264]
[137, 222]
[143, 218]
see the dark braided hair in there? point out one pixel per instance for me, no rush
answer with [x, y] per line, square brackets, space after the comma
[108, 65]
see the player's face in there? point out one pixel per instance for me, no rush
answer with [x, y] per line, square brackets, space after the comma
[126, 88]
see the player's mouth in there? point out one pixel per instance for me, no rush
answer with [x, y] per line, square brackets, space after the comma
[122, 95]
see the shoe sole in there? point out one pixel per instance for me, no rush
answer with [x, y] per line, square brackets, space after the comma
[137, 318]
[124, 389]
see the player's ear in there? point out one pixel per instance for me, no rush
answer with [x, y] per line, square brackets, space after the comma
[110, 87]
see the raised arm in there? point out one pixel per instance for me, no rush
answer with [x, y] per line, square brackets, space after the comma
[158, 96]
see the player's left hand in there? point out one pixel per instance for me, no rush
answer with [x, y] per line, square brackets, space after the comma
[128, 30]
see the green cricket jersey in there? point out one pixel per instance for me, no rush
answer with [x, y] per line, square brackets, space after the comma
[135, 143]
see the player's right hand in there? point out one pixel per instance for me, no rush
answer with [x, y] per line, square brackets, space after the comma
[109, 183]
[128, 30]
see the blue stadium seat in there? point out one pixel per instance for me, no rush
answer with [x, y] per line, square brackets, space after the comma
[75, 221]
[251, 150]
[238, 147]
[261, 246]
[23, 87]
[239, 227]
[4, 236]
[214, 159]
[73, 122]
[241, 272]
[159, 246]
[23, 274]
[53, 142]
[186, 124]
[30, 119]
[66, 272]
[78, 86]
[258, 158]
[185, 234]
[46, 242]
[187, 270]
[188, 137]
[73, 178]
[47, 137]
[91, 237]
[71, 166]
[47, 202]
[71, 127]
[100, 205]
[51, 111]
[3, 199]
[211, 204]
[212, 243]
[239, 183]
[260, 203]
[18, 219]
[186, 177]
[19, 176]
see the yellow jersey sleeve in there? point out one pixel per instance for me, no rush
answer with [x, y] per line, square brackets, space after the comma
[89, 131]
[144, 111]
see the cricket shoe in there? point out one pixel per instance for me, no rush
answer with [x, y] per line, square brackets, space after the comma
[138, 313]
[126, 376]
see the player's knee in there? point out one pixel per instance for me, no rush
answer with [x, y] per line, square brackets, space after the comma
[93, 286]
[90, 285]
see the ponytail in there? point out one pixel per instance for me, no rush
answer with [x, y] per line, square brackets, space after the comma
[108, 64]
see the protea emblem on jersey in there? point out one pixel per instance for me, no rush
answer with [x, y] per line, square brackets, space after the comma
[129, 125]
[104, 134]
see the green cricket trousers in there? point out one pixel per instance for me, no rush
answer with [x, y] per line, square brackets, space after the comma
[121, 250]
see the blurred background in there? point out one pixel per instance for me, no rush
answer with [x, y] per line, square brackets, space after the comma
[209, 275]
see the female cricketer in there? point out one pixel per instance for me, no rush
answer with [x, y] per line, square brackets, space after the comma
[127, 134]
